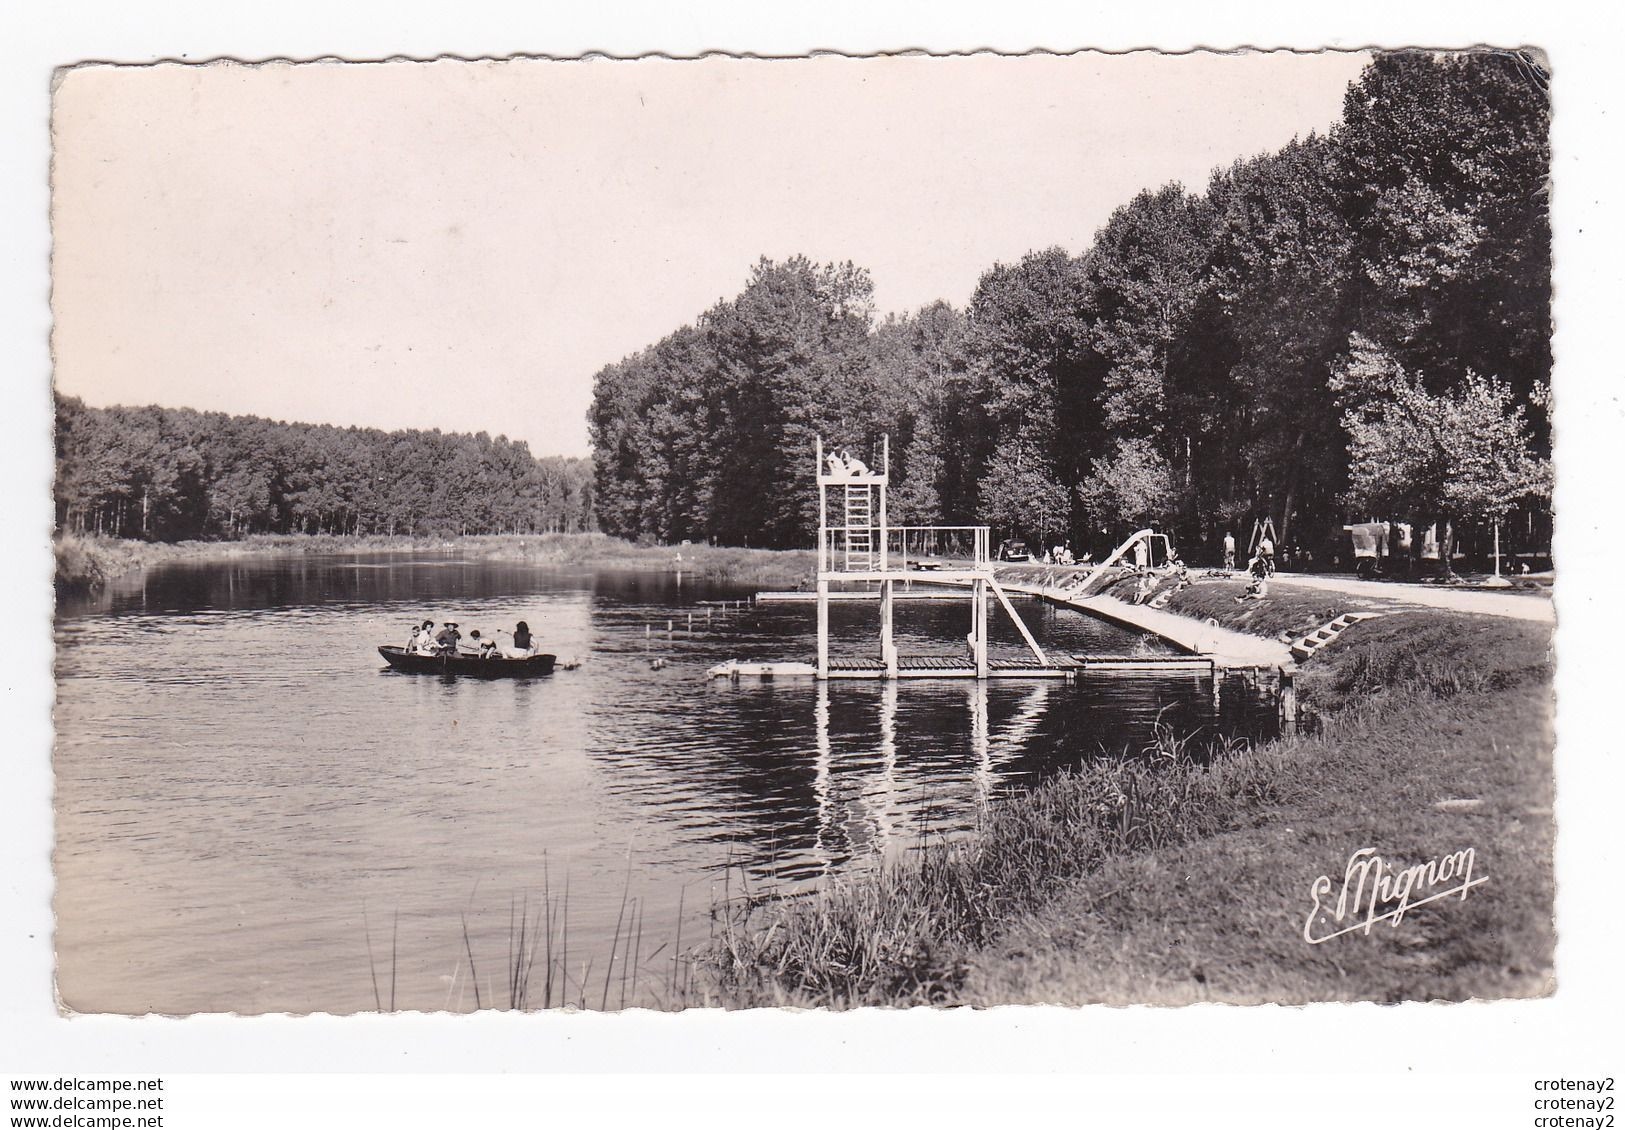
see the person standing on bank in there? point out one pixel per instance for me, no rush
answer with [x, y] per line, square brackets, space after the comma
[1266, 554]
[1229, 550]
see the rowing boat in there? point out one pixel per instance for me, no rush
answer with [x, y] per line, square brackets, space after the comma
[495, 668]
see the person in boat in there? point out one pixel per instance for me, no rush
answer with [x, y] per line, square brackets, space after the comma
[446, 639]
[422, 639]
[522, 642]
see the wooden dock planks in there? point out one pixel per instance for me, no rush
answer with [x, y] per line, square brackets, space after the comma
[960, 667]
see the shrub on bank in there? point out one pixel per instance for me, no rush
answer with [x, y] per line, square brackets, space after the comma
[88, 562]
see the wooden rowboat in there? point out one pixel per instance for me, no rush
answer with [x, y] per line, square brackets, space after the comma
[497, 668]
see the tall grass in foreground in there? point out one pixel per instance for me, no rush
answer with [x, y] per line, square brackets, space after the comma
[536, 972]
[900, 936]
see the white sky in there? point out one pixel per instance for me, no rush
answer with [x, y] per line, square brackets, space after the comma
[462, 245]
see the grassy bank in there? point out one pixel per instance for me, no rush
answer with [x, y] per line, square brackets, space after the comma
[1436, 737]
[1164, 878]
[90, 562]
[1283, 612]
[909, 934]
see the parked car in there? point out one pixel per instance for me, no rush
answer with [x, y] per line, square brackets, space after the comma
[1014, 549]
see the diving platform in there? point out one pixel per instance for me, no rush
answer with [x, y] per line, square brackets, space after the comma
[862, 557]
[1226, 648]
[860, 595]
[1067, 667]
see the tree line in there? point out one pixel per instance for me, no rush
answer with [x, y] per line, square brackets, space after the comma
[169, 474]
[1355, 325]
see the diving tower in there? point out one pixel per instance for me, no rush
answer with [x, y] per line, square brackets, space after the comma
[858, 546]
[861, 556]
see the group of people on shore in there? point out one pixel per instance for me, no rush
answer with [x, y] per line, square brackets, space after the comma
[1262, 562]
[449, 640]
[1260, 567]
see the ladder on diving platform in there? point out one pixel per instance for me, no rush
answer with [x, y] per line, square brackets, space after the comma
[860, 534]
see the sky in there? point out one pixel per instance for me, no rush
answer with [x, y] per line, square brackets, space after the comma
[463, 245]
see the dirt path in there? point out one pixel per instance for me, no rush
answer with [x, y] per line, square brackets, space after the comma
[1513, 607]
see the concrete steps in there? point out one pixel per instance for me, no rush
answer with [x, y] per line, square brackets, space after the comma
[1162, 598]
[1303, 648]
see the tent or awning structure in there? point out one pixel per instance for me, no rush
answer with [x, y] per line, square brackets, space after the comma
[1370, 539]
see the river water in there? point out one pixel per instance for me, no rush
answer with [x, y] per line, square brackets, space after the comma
[254, 815]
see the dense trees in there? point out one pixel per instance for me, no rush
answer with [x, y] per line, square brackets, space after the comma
[1463, 454]
[168, 474]
[706, 434]
[1258, 349]
[1356, 325]
[1443, 174]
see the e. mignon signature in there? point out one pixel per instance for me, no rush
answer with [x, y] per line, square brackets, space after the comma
[1375, 890]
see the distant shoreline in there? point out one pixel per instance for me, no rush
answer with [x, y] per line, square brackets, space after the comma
[87, 563]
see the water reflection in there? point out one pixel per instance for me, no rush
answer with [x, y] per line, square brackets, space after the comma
[861, 820]
[804, 778]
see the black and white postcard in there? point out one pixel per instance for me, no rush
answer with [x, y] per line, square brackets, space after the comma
[555, 535]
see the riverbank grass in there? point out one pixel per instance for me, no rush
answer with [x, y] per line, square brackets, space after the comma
[906, 933]
[1423, 752]
[1283, 613]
